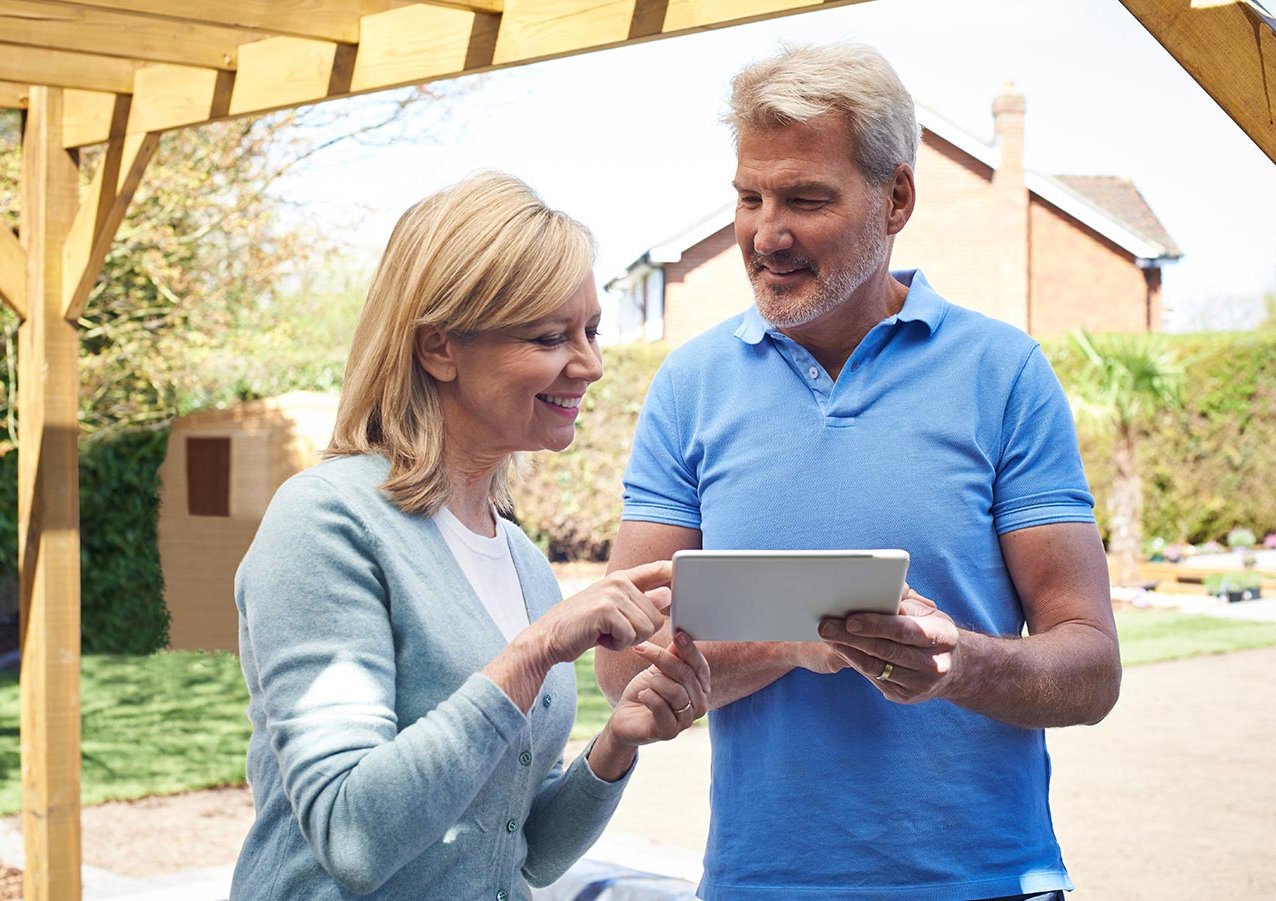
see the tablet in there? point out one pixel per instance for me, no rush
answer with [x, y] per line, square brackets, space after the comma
[780, 595]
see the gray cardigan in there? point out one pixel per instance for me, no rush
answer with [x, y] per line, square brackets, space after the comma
[381, 761]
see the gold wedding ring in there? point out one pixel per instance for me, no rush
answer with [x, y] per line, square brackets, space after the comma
[886, 672]
[681, 710]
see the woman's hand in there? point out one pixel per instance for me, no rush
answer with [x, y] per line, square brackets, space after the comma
[619, 611]
[657, 704]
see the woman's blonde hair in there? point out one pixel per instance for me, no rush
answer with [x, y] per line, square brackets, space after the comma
[803, 81]
[484, 254]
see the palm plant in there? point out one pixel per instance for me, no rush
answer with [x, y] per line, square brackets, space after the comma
[1125, 382]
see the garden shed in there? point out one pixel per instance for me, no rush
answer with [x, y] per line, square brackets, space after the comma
[218, 475]
[119, 73]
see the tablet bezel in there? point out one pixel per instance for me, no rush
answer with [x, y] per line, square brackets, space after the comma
[731, 595]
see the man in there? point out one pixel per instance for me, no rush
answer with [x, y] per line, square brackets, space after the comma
[903, 757]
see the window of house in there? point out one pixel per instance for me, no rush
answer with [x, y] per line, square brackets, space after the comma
[208, 476]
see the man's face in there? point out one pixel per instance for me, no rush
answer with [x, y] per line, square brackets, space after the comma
[810, 226]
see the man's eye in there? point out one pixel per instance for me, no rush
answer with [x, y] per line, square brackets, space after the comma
[808, 203]
[749, 201]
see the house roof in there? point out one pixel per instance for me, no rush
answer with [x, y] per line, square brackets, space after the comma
[1108, 204]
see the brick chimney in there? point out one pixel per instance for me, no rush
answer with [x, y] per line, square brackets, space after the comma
[1010, 195]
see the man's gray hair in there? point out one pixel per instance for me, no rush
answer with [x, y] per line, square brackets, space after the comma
[803, 81]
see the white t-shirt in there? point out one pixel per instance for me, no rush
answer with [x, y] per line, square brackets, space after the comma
[488, 565]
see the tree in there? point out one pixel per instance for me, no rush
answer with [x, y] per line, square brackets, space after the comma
[196, 300]
[1125, 382]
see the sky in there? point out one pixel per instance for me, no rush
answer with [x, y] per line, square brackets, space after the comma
[629, 140]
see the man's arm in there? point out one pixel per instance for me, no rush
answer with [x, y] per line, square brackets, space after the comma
[1066, 671]
[738, 668]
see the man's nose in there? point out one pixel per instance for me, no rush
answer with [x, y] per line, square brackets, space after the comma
[772, 234]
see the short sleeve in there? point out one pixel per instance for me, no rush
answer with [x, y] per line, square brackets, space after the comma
[1039, 478]
[659, 486]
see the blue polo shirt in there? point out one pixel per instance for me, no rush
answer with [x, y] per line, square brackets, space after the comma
[944, 430]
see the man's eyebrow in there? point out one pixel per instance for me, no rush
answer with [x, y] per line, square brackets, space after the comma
[804, 187]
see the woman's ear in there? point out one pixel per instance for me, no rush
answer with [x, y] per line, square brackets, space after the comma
[434, 353]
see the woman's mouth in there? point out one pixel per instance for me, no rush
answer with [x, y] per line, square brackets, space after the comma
[567, 405]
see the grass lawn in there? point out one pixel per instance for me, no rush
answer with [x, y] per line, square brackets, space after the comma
[1152, 636]
[175, 721]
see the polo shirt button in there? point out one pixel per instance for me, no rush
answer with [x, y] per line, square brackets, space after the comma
[502, 895]
[525, 758]
[511, 826]
[813, 372]
[546, 700]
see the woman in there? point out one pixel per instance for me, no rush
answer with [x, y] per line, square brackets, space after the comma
[407, 654]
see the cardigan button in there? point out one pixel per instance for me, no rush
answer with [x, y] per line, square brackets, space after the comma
[525, 758]
[502, 895]
[511, 826]
[546, 700]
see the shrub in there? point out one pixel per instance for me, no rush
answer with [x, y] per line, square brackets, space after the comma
[1240, 538]
[121, 589]
[1208, 465]
[570, 503]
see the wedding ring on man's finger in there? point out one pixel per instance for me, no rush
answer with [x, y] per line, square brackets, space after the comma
[886, 672]
[683, 709]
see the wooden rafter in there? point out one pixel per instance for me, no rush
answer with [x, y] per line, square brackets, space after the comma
[86, 29]
[14, 96]
[1231, 52]
[332, 20]
[64, 69]
[409, 44]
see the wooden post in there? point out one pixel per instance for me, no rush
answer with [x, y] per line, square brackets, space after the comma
[48, 517]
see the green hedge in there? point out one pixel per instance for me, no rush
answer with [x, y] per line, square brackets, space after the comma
[121, 588]
[1211, 465]
[1207, 467]
[570, 502]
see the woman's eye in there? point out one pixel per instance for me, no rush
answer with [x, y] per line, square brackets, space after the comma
[592, 333]
[550, 340]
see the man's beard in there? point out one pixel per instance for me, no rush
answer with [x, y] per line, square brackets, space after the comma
[786, 307]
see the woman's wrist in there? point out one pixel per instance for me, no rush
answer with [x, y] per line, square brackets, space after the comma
[520, 669]
[609, 758]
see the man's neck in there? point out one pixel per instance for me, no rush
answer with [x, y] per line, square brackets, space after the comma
[833, 337]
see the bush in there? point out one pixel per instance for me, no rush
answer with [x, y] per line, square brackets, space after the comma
[121, 588]
[1208, 465]
[570, 502]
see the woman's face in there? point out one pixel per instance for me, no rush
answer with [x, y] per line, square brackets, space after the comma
[520, 388]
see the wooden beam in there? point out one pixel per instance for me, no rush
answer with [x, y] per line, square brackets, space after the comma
[56, 68]
[13, 96]
[48, 519]
[56, 26]
[419, 43]
[13, 272]
[282, 72]
[415, 44]
[168, 97]
[86, 114]
[333, 20]
[1229, 50]
[99, 216]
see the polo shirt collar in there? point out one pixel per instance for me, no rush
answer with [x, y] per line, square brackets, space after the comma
[921, 304]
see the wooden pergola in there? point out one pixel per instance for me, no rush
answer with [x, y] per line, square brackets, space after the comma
[122, 72]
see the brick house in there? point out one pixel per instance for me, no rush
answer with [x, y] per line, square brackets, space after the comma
[1045, 253]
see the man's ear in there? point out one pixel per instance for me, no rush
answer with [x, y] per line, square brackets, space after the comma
[901, 199]
[433, 353]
